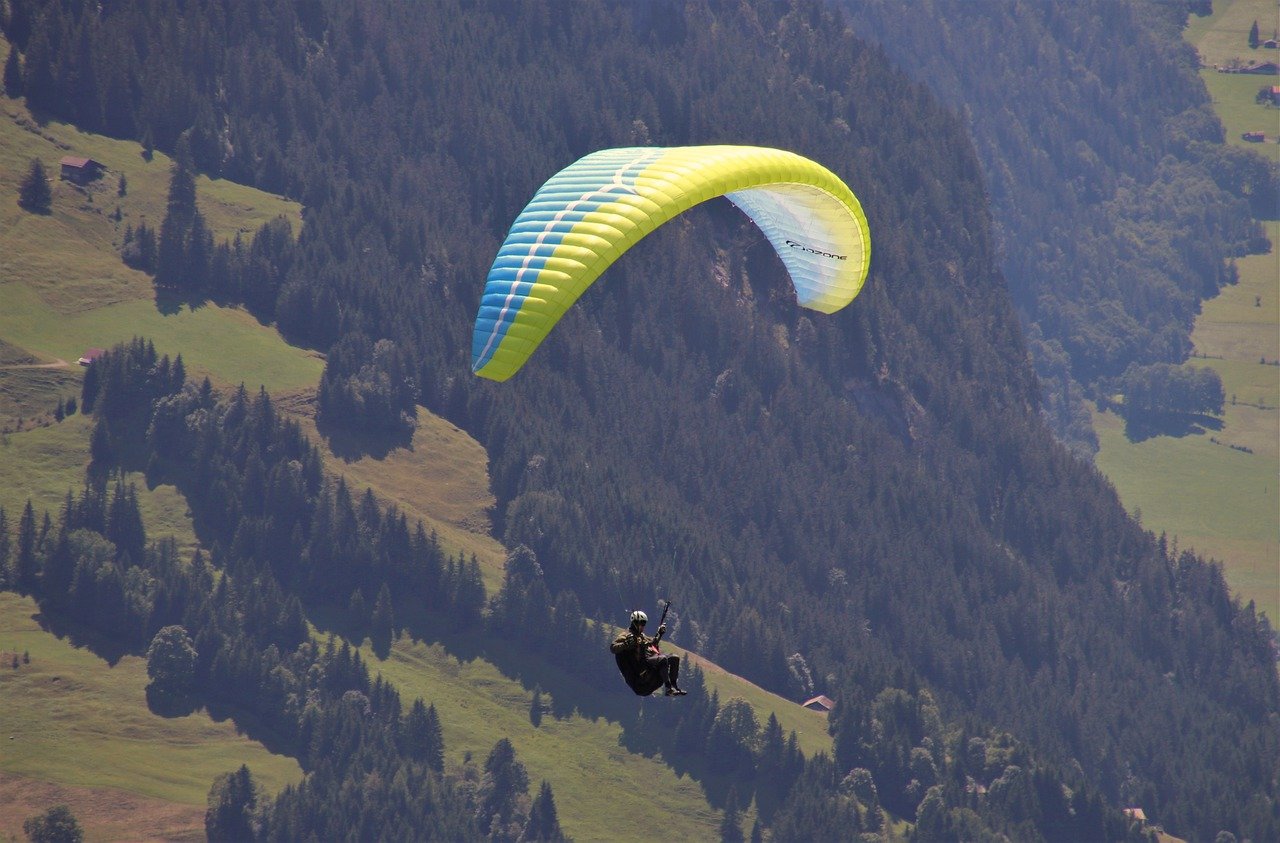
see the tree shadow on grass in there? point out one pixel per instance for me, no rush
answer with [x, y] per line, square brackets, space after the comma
[169, 704]
[81, 636]
[169, 300]
[349, 444]
[1141, 425]
[250, 725]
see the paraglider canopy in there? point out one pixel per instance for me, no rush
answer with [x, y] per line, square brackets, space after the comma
[589, 213]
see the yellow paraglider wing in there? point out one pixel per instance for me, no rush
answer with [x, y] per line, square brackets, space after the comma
[592, 211]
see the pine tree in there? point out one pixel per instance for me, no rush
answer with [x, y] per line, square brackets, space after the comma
[182, 182]
[543, 824]
[505, 780]
[100, 450]
[1254, 39]
[26, 566]
[730, 825]
[13, 74]
[169, 253]
[124, 523]
[4, 549]
[231, 802]
[535, 708]
[58, 572]
[198, 254]
[172, 264]
[382, 625]
[38, 83]
[35, 195]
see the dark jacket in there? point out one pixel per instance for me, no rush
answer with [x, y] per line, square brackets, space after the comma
[629, 651]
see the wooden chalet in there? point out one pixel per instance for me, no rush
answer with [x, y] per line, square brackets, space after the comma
[81, 170]
[821, 703]
[90, 355]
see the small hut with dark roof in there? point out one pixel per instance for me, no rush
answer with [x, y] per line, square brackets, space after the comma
[80, 170]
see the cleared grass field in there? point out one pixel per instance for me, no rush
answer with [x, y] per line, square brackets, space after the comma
[440, 478]
[12, 355]
[1224, 35]
[1222, 38]
[63, 287]
[1216, 491]
[82, 733]
[72, 718]
[227, 344]
[1211, 498]
[596, 780]
[28, 392]
[600, 787]
[43, 464]
[1233, 100]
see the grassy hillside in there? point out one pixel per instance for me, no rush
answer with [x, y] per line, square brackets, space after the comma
[1216, 490]
[83, 722]
[581, 756]
[65, 289]
[90, 740]
[441, 478]
[83, 734]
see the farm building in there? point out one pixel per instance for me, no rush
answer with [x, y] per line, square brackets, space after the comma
[90, 355]
[821, 703]
[1136, 815]
[80, 170]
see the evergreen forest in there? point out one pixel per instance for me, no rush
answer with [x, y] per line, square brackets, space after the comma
[1117, 205]
[869, 505]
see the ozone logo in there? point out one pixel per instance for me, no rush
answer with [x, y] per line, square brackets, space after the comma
[802, 247]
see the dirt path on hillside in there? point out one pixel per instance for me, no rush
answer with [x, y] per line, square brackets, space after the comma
[58, 363]
[103, 813]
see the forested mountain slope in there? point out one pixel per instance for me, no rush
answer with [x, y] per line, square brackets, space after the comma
[867, 504]
[1117, 207]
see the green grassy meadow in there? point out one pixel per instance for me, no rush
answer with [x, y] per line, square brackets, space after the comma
[595, 779]
[31, 392]
[1224, 35]
[441, 478]
[81, 731]
[42, 464]
[1223, 38]
[71, 717]
[1216, 491]
[580, 756]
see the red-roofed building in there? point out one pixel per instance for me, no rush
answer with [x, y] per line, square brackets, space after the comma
[90, 355]
[80, 170]
[821, 703]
